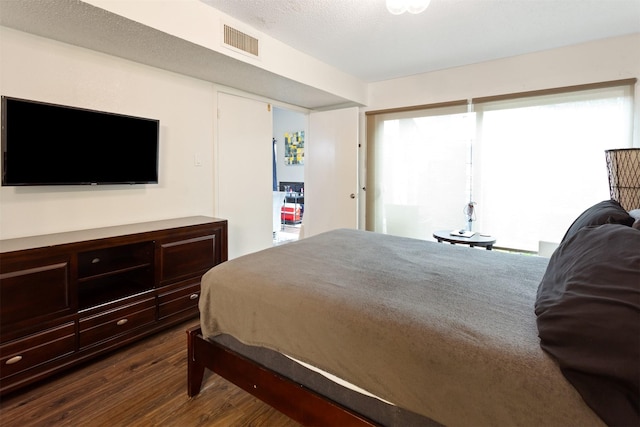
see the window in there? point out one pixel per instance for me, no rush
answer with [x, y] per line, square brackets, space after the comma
[420, 161]
[531, 163]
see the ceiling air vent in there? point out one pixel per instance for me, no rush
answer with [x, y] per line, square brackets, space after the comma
[239, 40]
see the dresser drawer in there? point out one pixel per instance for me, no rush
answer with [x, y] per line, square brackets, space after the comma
[179, 299]
[31, 351]
[111, 324]
[186, 258]
[32, 292]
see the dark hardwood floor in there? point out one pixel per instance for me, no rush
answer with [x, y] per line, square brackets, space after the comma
[140, 385]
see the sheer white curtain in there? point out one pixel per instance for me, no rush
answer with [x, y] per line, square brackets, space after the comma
[421, 171]
[536, 163]
[541, 161]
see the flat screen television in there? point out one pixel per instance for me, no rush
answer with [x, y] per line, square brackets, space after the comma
[48, 144]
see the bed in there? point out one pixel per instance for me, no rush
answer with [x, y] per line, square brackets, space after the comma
[358, 328]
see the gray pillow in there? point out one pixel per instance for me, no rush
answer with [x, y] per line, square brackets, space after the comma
[605, 212]
[588, 316]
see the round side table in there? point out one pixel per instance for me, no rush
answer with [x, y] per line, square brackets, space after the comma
[475, 240]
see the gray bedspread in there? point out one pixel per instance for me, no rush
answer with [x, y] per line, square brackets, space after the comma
[446, 331]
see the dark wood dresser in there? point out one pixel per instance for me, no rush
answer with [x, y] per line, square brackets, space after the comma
[69, 297]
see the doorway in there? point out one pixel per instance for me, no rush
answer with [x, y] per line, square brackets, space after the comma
[241, 163]
[289, 139]
[244, 163]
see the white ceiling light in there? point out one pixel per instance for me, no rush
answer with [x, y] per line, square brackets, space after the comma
[398, 7]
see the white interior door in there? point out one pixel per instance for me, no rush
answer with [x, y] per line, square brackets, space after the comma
[331, 171]
[243, 172]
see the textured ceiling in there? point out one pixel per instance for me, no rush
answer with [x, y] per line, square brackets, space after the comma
[361, 38]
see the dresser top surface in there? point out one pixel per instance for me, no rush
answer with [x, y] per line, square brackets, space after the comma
[47, 240]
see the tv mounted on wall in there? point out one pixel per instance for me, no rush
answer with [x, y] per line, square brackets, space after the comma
[48, 144]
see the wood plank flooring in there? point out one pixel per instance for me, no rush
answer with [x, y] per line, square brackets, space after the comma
[140, 385]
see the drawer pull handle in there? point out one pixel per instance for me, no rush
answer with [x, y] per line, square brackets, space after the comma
[193, 296]
[95, 260]
[14, 359]
[121, 322]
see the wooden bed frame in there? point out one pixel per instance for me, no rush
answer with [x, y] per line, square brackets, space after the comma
[291, 398]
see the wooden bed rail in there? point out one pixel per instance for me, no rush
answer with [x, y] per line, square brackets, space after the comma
[292, 399]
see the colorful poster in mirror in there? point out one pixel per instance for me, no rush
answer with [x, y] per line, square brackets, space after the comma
[294, 148]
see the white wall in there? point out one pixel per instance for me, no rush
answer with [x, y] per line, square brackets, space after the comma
[199, 23]
[37, 68]
[41, 69]
[598, 61]
[288, 121]
[603, 60]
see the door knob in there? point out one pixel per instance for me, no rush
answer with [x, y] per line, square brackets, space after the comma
[353, 196]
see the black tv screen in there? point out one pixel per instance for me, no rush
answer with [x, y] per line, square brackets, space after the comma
[48, 144]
